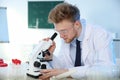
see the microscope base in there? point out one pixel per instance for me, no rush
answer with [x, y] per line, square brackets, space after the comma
[34, 76]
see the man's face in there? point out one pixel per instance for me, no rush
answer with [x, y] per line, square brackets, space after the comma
[67, 30]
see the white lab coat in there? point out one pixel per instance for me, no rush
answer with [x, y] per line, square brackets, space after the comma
[96, 51]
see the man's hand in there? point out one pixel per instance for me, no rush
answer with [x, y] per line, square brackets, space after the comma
[47, 73]
[51, 49]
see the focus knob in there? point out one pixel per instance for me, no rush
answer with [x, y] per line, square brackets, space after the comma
[37, 64]
[43, 66]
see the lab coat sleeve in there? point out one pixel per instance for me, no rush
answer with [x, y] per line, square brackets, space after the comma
[81, 72]
[103, 47]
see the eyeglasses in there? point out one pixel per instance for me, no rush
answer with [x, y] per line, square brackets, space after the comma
[65, 31]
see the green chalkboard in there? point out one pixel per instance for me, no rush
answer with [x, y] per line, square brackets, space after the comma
[38, 13]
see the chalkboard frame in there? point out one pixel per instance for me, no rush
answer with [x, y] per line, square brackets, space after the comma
[38, 8]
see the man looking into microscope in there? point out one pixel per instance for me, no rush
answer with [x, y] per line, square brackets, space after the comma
[93, 44]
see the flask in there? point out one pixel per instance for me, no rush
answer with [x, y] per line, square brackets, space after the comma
[16, 69]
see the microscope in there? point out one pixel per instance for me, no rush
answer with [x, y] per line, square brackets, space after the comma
[37, 60]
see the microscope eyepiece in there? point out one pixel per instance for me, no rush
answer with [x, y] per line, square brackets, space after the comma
[53, 36]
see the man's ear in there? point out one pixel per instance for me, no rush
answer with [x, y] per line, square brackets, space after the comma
[77, 24]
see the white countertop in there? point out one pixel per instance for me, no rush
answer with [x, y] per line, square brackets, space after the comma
[19, 73]
[12, 72]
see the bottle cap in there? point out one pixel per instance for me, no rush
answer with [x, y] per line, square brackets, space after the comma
[3, 65]
[16, 61]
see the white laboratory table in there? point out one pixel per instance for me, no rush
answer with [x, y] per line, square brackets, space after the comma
[12, 72]
[19, 73]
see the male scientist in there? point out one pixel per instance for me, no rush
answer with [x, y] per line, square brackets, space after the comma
[83, 46]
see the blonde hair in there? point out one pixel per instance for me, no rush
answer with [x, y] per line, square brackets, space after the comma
[63, 11]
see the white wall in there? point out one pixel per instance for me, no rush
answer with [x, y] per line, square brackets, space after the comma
[18, 23]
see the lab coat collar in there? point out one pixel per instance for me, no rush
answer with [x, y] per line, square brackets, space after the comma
[80, 38]
[83, 22]
[85, 43]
